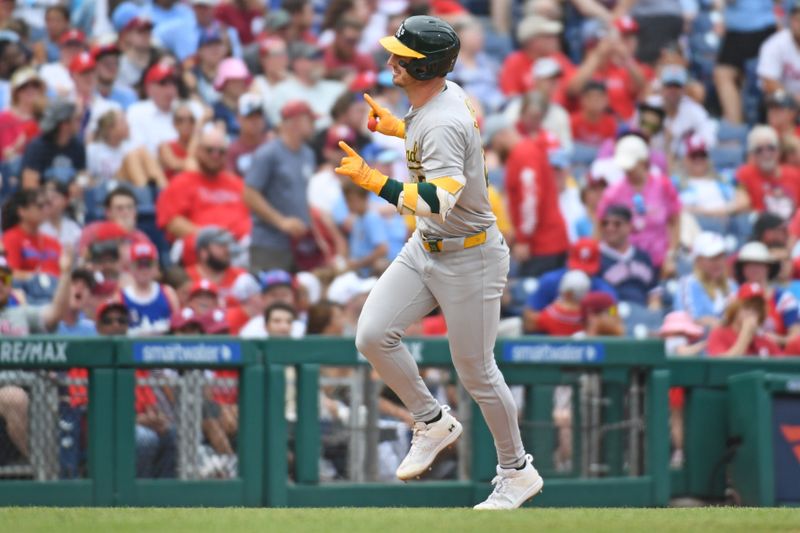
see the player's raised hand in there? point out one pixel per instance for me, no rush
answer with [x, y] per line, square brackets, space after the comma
[382, 120]
[354, 166]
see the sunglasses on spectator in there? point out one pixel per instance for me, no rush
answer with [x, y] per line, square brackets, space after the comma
[114, 319]
[185, 118]
[612, 223]
[765, 148]
[698, 155]
[215, 150]
[144, 263]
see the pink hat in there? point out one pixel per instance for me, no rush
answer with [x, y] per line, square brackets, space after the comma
[680, 323]
[231, 69]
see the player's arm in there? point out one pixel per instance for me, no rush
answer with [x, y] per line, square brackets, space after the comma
[436, 197]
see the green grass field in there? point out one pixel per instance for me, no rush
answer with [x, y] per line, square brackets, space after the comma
[351, 520]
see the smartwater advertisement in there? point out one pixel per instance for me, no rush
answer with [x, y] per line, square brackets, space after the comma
[187, 352]
[553, 352]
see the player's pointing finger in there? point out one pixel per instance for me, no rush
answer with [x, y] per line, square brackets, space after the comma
[349, 151]
[372, 103]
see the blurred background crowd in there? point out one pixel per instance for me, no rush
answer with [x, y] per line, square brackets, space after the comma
[167, 167]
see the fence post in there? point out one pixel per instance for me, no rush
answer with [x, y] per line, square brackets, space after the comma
[251, 431]
[275, 439]
[657, 434]
[307, 434]
[125, 438]
[101, 445]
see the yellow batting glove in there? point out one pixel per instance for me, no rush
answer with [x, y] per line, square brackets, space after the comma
[354, 166]
[382, 120]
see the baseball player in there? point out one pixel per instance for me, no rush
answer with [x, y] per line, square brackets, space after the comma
[456, 259]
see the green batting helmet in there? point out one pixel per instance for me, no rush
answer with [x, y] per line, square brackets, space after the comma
[430, 43]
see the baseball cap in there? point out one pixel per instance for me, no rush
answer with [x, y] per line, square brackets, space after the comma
[575, 282]
[159, 72]
[343, 132]
[203, 286]
[751, 290]
[107, 47]
[626, 25]
[349, 285]
[535, 25]
[208, 36]
[231, 68]
[597, 302]
[584, 255]
[558, 158]
[545, 68]
[618, 211]
[108, 305]
[295, 108]
[128, 16]
[143, 250]
[245, 287]
[708, 244]
[249, 104]
[629, 151]
[185, 317]
[23, 76]
[755, 252]
[781, 99]
[305, 50]
[57, 112]
[680, 323]
[695, 144]
[274, 278]
[72, 36]
[311, 284]
[675, 75]
[213, 235]
[214, 322]
[363, 81]
[277, 19]
[83, 62]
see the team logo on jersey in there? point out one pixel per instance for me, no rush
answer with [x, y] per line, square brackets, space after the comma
[413, 155]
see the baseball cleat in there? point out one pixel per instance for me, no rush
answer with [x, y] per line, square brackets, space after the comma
[513, 487]
[427, 442]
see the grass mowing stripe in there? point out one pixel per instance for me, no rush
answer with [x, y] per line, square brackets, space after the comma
[358, 520]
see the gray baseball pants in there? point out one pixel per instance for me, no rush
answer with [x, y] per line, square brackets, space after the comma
[467, 284]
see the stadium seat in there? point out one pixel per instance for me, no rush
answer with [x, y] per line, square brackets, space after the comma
[727, 157]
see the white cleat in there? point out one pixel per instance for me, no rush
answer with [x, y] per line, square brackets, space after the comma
[513, 487]
[427, 442]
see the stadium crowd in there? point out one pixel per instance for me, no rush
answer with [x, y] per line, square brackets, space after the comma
[167, 168]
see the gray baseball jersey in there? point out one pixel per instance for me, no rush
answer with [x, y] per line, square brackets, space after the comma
[443, 140]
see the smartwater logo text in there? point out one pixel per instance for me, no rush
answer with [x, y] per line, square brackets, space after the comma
[195, 353]
[553, 353]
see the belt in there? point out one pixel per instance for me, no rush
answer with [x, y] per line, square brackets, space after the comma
[456, 243]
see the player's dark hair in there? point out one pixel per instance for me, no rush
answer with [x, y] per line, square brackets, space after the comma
[279, 306]
[119, 191]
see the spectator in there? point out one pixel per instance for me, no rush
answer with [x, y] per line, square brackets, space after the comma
[173, 156]
[739, 334]
[277, 286]
[349, 114]
[113, 157]
[569, 197]
[18, 125]
[600, 317]
[186, 322]
[77, 319]
[342, 59]
[651, 198]
[21, 320]
[58, 153]
[771, 186]
[306, 85]
[712, 199]
[476, 71]
[252, 127]
[278, 319]
[539, 108]
[613, 64]
[623, 266]
[119, 224]
[683, 116]
[208, 196]
[107, 58]
[274, 61]
[134, 28]
[325, 318]
[593, 124]
[241, 15]
[782, 114]
[150, 120]
[771, 230]
[150, 304]
[231, 82]
[779, 56]
[584, 255]
[755, 265]
[214, 248]
[368, 239]
[246, 291]
[59, 223]
[83, 68]
[563, 316]
[660, 23]
[56, 74]
[56, 22]
[211, 53]
[540, 232]
[275, 189]
[183, 35]
[747, 25]
[28, 251]
[705, 292]
[538, 38]
[301, 19]
[203, 297]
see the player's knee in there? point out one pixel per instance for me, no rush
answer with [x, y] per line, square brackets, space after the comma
[373, 339]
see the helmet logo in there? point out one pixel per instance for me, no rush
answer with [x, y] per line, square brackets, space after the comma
[400, 31]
